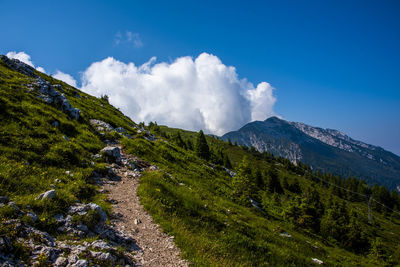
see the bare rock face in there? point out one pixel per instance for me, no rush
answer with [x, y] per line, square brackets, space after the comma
[50, 95]
[47, 91]
[19, 66]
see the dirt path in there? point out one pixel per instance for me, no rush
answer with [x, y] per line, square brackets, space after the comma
[157, 248]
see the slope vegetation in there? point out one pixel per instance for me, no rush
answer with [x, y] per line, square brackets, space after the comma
[225, 205]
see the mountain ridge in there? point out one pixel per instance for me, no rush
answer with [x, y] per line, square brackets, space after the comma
[325, 149]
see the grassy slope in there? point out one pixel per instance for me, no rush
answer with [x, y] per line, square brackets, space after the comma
[191, 201]
[188, 197]
[33, 153]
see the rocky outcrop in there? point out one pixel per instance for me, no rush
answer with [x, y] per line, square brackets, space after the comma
[46, 91]
[19, 66]
[49, 94]
[103, 127]
[46, 249]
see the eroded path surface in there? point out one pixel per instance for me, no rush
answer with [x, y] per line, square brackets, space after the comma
[156, 247]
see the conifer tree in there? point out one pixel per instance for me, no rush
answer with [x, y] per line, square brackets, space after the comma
[273, 184]
[202, 149]
[227, 162]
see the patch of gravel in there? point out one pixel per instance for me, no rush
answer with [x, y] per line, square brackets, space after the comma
[157, 248]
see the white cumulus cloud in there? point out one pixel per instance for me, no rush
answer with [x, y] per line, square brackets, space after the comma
[24, 57]
[65, 78]
[193, 94]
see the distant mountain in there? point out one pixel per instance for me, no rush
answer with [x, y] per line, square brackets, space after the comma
[324, 149]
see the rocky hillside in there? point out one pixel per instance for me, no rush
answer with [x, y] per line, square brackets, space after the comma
[75, 172]
[54, 159]
[324, 149]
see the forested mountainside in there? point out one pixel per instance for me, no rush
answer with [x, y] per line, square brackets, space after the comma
[323, 149]
[225, 205]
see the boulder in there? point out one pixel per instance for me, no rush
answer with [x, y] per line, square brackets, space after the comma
[101, 125]
[61, 261]
[47, 195]
[81, 263]
[103, 215]
[100, 244]
[112, 151]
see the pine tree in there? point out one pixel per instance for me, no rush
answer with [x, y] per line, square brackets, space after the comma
[227, 162]
[177, 139]
[189, 144]
[202, 149]
[273, 184]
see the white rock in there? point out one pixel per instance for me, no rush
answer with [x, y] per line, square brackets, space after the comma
[61, 261]
[317, 261]
[285, 235]
[81, 263]
[111, 151]
[47, 195]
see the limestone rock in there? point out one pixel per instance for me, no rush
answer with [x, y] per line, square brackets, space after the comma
[47, 195]
[61, 261]
[101, 125]
[19, 66]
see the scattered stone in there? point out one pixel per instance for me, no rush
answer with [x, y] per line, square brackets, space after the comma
[285, 235]
[101, 125]
[255, 204]
[103, 215]
[59, 218]
[47, 195]
[137, 221]
[61, 261]
[111, 151]
[153, 168]
[120, 130]
[100, 244]
[96, 156]
[231, 173]
[81, 263]
[14, 206]
[33, 216]
[317, 261]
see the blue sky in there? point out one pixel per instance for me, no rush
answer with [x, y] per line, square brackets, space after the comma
[333, 64]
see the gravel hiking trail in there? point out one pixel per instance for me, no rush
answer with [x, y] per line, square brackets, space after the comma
[156, 247]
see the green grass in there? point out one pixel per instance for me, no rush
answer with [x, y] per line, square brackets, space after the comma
[191, 199]
[35, 155]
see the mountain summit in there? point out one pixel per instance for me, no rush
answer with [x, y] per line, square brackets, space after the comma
[325, 149]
